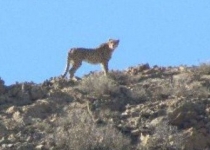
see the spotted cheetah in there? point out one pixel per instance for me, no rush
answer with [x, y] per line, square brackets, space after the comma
[100, 55]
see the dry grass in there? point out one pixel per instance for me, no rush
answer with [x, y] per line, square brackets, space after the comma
[204, 68]
[75, 128]
[77, 131]
[165, 137]
[98, 85]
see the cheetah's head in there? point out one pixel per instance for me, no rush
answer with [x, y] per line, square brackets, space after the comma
[113, 43]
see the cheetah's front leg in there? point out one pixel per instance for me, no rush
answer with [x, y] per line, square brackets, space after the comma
[105, 68]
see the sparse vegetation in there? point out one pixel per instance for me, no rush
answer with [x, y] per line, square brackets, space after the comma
[77, 131]
[203, 69]
[126, 110]
[98, 85]
[165, 137]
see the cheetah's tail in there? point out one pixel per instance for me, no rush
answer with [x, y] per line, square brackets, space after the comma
[67, 65]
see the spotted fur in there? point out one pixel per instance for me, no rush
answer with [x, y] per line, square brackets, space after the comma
[100, 55]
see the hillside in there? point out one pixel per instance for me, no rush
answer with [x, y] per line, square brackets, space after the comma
[141, 108]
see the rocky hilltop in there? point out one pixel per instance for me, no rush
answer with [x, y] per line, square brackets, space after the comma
[140, 108]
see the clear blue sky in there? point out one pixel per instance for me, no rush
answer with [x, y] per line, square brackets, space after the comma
[36, 35]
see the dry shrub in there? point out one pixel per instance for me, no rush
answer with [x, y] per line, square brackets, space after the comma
[139, 94]
[165, 137]
[199, 71]
[98, 85]
[151, 90]
[77, 131]
[2, 86]
[204, 69]
[194, 89]
[122, 78]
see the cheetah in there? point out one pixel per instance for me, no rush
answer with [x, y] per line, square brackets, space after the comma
[100, 55]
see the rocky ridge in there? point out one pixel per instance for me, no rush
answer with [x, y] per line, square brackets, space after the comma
[143, 107]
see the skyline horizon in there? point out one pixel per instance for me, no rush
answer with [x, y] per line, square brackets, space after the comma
[35, 36]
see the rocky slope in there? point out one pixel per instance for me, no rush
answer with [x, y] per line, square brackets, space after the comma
[142, 107]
